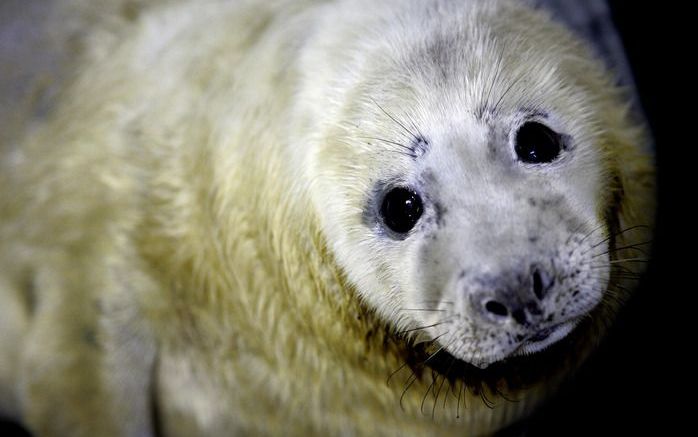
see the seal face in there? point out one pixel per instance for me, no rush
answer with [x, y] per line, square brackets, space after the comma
[510, 265]
[471, 206]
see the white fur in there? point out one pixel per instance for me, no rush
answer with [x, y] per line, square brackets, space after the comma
[188, 229]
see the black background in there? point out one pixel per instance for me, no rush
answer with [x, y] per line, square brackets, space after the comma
[638, 380]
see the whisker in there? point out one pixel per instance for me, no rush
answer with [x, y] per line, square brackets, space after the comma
[414, 126]
[413, 375]
[424, 399]
[620, 261]
[599, 267]
[413, 378]
[614, 269]
[438, 392]
[618, 276]
[449, 302]
[619, 233]
[431, 343]
[614, 251]
[501, 394]
[425, 327]
[601, 226]
[410, 153]
[400, 152]
[394, 119]
[458, 401]
[452, 386]
[629, 247]
[636, 260]
[443, 346]
[495, 79]
[614, 296]
[617, 285]
[421, 309]
[488, 403]
[384, 140]
[509, 88]
[393, 373]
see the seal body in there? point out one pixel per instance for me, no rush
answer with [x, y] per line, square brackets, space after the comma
[196, 240]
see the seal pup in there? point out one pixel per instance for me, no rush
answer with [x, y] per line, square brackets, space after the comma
[243, 217]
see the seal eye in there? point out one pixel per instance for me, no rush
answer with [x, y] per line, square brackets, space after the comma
[537, 143]
[401, 209]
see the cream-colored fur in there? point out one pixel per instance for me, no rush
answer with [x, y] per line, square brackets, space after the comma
[174, 252]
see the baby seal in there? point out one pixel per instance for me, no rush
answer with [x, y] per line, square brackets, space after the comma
[243, 217]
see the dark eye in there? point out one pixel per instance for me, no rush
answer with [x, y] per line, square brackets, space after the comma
[401, 209]
[537, 143]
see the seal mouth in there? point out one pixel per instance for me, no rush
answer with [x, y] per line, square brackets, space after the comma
[542, 335]
[545, 337]
[530, 344]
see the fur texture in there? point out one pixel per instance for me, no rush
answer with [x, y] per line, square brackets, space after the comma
[181, 241]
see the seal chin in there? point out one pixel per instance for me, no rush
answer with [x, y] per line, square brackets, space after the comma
[531, 344]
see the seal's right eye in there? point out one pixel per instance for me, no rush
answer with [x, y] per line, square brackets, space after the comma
[401, 209]
[536, 143]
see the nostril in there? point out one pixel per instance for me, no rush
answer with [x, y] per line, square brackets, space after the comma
[520, 316]
[537, 285]
[496, 308]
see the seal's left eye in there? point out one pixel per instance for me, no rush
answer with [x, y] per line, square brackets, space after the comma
[536, 143]
[401, 209]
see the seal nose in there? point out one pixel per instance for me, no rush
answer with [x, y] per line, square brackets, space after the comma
[537, 284]
[518, 299]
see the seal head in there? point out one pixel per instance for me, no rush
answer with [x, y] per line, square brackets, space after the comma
[467, 199]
